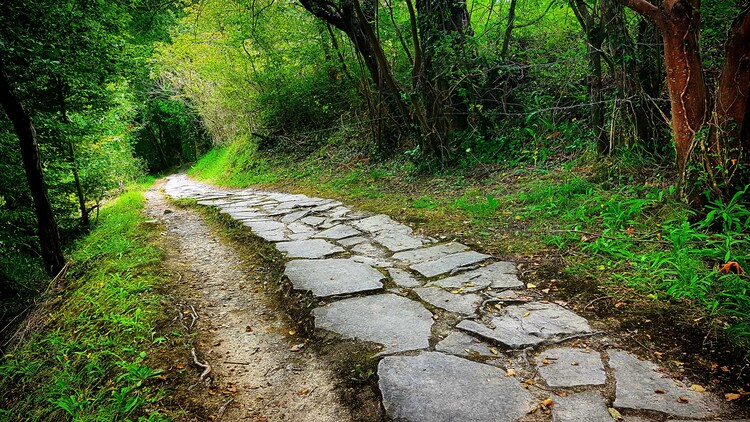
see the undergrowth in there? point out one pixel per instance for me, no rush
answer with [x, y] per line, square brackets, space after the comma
[611, 221]
[88, 359]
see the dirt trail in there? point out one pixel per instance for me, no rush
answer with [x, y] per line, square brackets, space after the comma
[255, 374]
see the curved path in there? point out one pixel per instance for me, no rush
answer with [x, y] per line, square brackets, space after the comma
[461, 339]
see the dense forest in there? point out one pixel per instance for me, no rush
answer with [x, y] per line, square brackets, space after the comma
[614, 133]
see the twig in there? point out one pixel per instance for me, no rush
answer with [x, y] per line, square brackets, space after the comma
[236, 363]
[194, 315]
[206, 366]
[223, 408]
[594, 301]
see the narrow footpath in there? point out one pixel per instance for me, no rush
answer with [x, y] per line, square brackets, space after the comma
[460, 337]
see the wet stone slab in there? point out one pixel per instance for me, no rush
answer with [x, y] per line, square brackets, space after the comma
[529, 324]
[435, 387]
[429, 253]
[398, 241]
[313, 248]
[403, 279]
[398, 323]
[499, 275]
[462, 344]
[457, 303]
[329, 277]
[448, 263]
[571, 367]
[582, 407]
[339, 231]
[637, 382]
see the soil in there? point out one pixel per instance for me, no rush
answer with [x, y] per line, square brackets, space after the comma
[262, 368]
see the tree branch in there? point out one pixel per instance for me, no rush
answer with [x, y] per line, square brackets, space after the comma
[645, 9]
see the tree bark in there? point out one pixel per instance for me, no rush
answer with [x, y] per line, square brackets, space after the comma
[72, 156]
[508, 29]
[49, 236]
[728, 152]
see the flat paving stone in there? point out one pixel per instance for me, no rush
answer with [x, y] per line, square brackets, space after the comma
[273, 235]
[499, 275]
[380, 222]
[529, 324]
[368, 249]
[571, 367]
[460, 304]
[329, 277]
[398, 323]
[339, 231]
[435, 387]
[263, 225]
[294, 216]
[637, 381]
[429, 253]
[397, 241]
[351, 241]
[583, 407]
[462, 344]
[448, 263]
[402, 278]
[298, 227]
[312, 248]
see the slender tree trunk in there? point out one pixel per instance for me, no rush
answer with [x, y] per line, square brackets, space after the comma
[591, 22]
[72, 156]
[508, 30]
[49, 236]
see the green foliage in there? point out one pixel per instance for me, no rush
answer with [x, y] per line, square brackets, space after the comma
[90, 358]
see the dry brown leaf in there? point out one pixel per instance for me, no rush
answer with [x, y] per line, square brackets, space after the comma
[698, 388]
[510, 372]
[731, 396]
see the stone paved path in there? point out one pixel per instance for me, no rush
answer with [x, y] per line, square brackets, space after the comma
[460, 339]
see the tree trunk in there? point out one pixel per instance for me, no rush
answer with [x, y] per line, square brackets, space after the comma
[508, 29]
[72, 156]
[49, 236]
[728, 151]
[687, 88]
[594, 29]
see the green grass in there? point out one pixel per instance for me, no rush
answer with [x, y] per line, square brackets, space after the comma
[89, 357]
[612, 221]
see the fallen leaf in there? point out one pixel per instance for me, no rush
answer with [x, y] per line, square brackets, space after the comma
[545, 361]
[297, 347]
[619, 305]
[510, 372]
[526, 314]
[724, 369]
[714, 365]
[574, 363]
[531, 286]
[615, 414]
[292, 332]
[698, 388]
[731, 396]
[303, 392]
[493, 351]
[547, 403]
[682, 399]
[659, 391]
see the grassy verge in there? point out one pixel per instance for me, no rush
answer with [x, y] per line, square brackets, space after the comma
[88, 357]
[610, 226]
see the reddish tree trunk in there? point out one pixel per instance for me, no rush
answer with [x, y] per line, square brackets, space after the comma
[729, 143]
[680, 24]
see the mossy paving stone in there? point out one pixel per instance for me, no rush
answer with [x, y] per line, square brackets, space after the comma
[398, 323]
[435, 387]
[330, 277]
